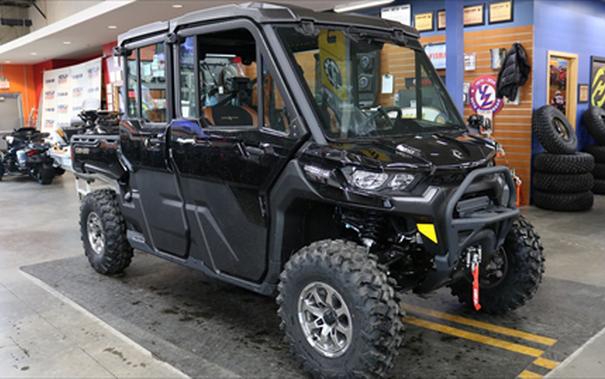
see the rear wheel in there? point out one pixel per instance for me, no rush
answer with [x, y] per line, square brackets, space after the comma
[103, 233]
[339, 312]
[45, 175]
[511, 277]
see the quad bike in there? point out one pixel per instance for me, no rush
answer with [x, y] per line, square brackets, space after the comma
[27, 154]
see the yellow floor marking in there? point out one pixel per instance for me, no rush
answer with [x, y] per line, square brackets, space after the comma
[510, 346]
[482, 325]
[526, 374]
[546, 363]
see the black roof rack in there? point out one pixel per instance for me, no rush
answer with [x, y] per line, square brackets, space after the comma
[263, 13]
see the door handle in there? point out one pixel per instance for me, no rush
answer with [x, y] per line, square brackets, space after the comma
[252, 150]
[185, 141]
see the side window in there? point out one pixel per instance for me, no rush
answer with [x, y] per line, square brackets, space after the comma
[187, 77]
[274, 108]
[153, 82]
[132, 85]
[228, 85]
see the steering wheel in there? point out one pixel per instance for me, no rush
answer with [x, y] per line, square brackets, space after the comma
[381, 112]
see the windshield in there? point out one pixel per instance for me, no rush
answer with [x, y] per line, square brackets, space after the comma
[363, 86]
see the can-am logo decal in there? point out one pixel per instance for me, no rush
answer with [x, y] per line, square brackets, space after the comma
[49, 95]
[62, 108]
[407, 150]
[49, 81]
[482, 95]
[62, 94]
[77, 76]
[63, 78]
[77, 92]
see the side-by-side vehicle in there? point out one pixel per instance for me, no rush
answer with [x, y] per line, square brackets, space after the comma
[309, 155]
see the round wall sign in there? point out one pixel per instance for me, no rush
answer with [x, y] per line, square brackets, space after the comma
[482, 95]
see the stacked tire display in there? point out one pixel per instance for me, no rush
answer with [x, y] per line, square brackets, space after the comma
[562, 178]
[594, 121]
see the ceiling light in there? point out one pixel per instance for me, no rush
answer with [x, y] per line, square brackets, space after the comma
[111, 27]
[7, 62]
[177, 6]
[67, 42]
[357, 5]
[33, 53]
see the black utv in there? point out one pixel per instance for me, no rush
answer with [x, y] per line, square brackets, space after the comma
[312, 156]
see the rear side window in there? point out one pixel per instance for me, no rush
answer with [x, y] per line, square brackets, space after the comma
[146, 83]
[187, 77]
[152, 60]
[132, 85]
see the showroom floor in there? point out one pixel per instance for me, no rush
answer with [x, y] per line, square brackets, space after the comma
[58, 318]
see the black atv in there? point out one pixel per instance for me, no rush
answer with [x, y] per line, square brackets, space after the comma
[27, 154]
[263, 150]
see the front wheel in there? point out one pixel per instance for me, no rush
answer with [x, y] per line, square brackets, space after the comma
[511, 277]
[339, 312]
[103, 232]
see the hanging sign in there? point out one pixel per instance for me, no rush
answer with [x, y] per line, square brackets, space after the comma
[400, 13]
[436, 53]
[482, 95]
[423, 22]
[67, 91]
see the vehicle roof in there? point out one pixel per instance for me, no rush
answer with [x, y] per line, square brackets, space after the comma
[263, 13]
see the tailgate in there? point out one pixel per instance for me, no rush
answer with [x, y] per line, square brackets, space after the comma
[96, 154]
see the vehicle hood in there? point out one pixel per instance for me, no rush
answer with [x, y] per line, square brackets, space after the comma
[437, 151]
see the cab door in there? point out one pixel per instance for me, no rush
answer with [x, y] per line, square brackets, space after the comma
[157, 208]
[232, 147]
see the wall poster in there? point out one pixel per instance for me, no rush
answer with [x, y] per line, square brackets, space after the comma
[500, 12]
[423, 22]
[441, 19]
[474, 15]
[597, 81]
[69, 90]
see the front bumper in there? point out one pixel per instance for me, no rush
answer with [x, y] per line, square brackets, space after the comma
[464, 222]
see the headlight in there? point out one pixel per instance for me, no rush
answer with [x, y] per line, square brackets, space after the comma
[368, 180]
[401, 181]
[10, 139]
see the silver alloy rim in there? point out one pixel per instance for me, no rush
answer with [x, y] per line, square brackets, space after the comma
[96, 237]
[325, 319]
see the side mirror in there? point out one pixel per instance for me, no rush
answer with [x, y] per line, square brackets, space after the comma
[475, 122]
[480, 124]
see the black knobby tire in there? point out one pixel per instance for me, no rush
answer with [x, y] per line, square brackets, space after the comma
[117, 252]
[564, 202]
[578, 163]
[45, 175]
[599, 187]
[554, 131]
[525, 257]
[598, 152]
[376, 314]
[599, 171]
[563, 183]
[594, 120]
